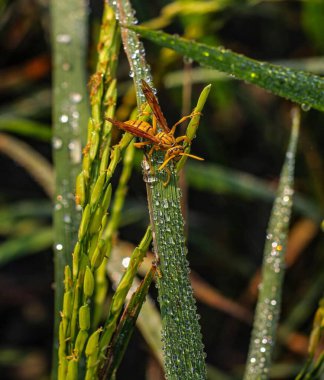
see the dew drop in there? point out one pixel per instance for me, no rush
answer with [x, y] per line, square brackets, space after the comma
[64, 118]
[66, 66]
[75, 97]
[305, 107]
[75, 151]
[59, 247]
[57, 142]
[67, 219]
[63, 38]
[125, 262]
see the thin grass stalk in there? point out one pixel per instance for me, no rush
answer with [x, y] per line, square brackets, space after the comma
[314, 366]
[184, 356]
[69, 41]
[269, 299]
[126, 327]
[110, 230]
[93, 194]
[123, 288]
[149, 320]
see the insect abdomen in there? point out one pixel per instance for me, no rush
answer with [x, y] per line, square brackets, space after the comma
[142, 125]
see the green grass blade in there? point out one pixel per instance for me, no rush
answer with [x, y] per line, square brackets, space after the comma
[25, 245]
[70, 113]
[25, 127]
[123, 288]
[184, 356]
[149, 319]
[269, 299]
[298, 86]
[126, 326]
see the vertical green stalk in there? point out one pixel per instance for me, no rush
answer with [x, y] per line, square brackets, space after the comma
[69, 41]
[110, 230]
[269, 300]
[126, 326]
[93, 195]
[183, 348]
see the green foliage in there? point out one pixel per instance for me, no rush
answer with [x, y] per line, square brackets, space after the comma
[301, 87]
[269, 299]
[313, 22]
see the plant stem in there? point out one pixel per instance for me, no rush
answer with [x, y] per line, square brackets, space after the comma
[269, 300]
[69, 39]
[184, 355]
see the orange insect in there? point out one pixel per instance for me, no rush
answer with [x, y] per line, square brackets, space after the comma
[164, 140]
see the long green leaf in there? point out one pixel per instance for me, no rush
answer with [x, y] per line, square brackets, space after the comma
[70, 114]
[126, 326]
[26, 127]
[298, 86]
[269, 299]
[26, 245]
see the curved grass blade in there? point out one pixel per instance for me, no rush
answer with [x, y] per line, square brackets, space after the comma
[126, 326]
[269, 300]
[298, 86]
[26, 127]
[33, 162]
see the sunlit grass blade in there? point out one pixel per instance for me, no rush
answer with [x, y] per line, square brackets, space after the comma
[298, 86]
[126, 326]
[269, 299]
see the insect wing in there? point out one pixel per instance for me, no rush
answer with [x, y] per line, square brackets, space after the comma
[155, 107]
[133, 130]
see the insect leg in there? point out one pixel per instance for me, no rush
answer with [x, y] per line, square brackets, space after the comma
[184, 118]
[168, 176]
[141, 144]
[154, 125]
[166, 160]
[182, 138]
[192, 156]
